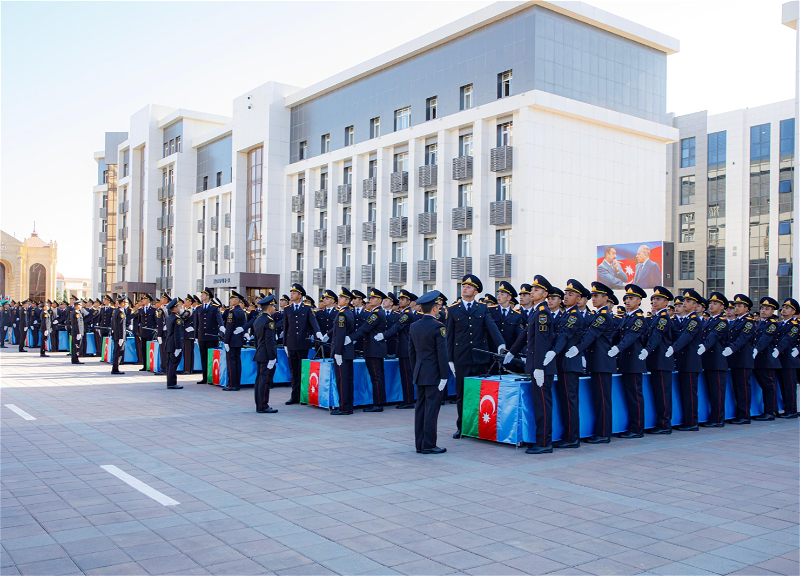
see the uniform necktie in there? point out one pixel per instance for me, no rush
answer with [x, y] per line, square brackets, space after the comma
[505, 312]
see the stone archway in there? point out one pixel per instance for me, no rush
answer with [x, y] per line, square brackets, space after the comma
[37, 283]
[2, 279]
[7, 280]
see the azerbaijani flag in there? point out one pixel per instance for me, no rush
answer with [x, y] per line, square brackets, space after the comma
[317, 386]
[219, 368]
[108, 351]
[493, 410]
[152, 356]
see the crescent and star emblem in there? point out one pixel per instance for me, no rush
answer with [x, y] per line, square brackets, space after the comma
[313, 381]
[486, 416]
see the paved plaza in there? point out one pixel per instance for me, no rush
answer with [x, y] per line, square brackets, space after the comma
[302, 492]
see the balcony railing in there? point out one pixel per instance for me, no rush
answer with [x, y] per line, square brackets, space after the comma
[124, 206]
[299, 203]
[201, 225]
[368, 231]
[214, 223]
[213, 254]
[343, 234]
[501, 158]
[199, 285]
[101, 261]
[296, 276]
[297, 240]
[122, 234]
[166, 191]
[426, 270]
[321, 237]
[102, 237]
[426, 223]
[122, 259]
[103, 212]
[398, 272]
[343, 275]
[398, 182]
[460, 267]
[228, 220]
[428, 175]
[462, 167]
[344, 193]
[201, 256]
[226, 252]
[319, 276]
[462, 218]
[368, 273]
[500, 265]
[369, 187]
[321, 199]
[398, 227]
[160, 223]
[101, 287]
[500, 213]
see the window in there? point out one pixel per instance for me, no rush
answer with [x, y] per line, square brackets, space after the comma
[687, 227]
[504, 132]
[466, 97]
[503, 188]
[254, 191]
[465, 145]
[759, 142]
[177, 143]
[345, 256]
[400, 206]
[323, 259]
[785, 269]
[429, 249]
[784, 228]
[347, 175]
[687, 152]
[372, 212]
[219, 179]
[371, 252]
[431, 154]
[399, 251]
[401, 162]
[430, 201]
[430, 108]
[301, 224]
[205, 182]
[373, 169]
[172, 146]
[301, 185]
[166, 149]
[687, 190]
[323, 220]
[465, 195]
[346, 216]
[502, 241]
[375, 127]
[325, 143]
[465, 245]
[303, 150]
[349, 136]
[402, 118]
[299, 261]
[785, 186]
[687, 265]
[323, 181]
[504, 84]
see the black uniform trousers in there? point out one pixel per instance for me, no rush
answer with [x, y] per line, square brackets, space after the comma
[543, 411]
[172, 368]
[567, 390]
[75, 349]
[141, 348]
[119, 352]
[295, 365]
[162, 353]
[234, 359]
[405, 381]
[717, 381]
[44, 344]
[205, 346]
[787, 379]
[741, 391]
[188, 356]
[20, 334]
[464, 371]
[344, 384]
[688, 382]
[601, 391]
[375, 369]
[426, 417]
[661, 383]
[634, 399]
[82, 346]
[767, 381]
[263, 384]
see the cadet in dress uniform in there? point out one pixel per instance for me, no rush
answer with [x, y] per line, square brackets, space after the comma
[299, 327]
[46, 327]
[173, 342]
[765, 358]
[374, 348]
[188, 333]
[21, 324]
[399, 331]
[715, 365]
[629, 347]
[119, 322]
[5, 321]
[207, 328]
[344, 325]
[389, 303]
[539, 340]
[442, 316]
[469, 329]
[427, 348]
[687, 359]
[161, 320]
[570, 369]
[788, 338]
[266, 355]
[596, 343]
[103, 328]
[144, 327]
[657, 341]
[77, 331]
[508, 320]
[359, 313]
[741, 335]
[325, 317]
[235, 319]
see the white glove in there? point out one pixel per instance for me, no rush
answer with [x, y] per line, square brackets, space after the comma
[538, 376]
[47, 332]
[159, 340]
[643, 354]
[15, 325]
[509, 357]
[549, 357]
[238, 330]
[54, 322]
[583, 362]
[326, 338]
[227, 348]
[347, 340]
[222, 329]
[669, 352]
[727, 352]
[177, 353]
[452, 368]
[190, 329]
[613, 351]
[378, 337]
[775, 353]
[78, 337]
[338, 358]
[572, 352]
[795, 352]
[755, 353]
[501, 349]
[120, 342]
[271, 364]
[318, 335]
[701, 350]
[442, 384]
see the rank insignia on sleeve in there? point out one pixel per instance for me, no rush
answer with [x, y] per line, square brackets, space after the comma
[598, 321]
[747, 327]
[341, 321]
[178, 321]
[692, 325]
[403, 318]
[571, 321]
[662, 323]
[638, 324]
[372, 318]
[443, 332]
[272, 325]
[721, 326]
[771, 329]
[542, 319]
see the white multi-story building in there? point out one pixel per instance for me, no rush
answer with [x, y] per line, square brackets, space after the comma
[509, 143]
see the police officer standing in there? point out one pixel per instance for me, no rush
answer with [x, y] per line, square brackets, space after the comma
[173, 343]
[657, 341]
[428, 357]
[266, 355]
[325, 316]
[46, 327]
[77, 331]
[715, 365]
[207, 328]
[741, 333]
[188, 334]
[788, 336]
[119, 321]
[234, 340]
[299, 326]
[509, 321]
[765, 358]
[400, 330]
[344, 325]
[21, 324]
[374, 348]
[144, 327]
[687, 352]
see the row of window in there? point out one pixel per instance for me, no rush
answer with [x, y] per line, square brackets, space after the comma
[173, 146]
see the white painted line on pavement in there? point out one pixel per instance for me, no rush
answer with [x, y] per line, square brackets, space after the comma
[20, 411]
[140, 486]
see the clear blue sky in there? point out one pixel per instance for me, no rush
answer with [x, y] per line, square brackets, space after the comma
[74, 70]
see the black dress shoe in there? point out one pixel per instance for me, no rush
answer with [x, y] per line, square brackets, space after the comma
[117, 373]
[142, 369]
[453, 401]
[787, 416]
[629, 434]
[230, 389]
[175, 387]
[341, 412]
[419, 451]
[78, 362]
[694, 428]
[373, 409]
[159, 373]
[598, 440]
[712, 424]
[26, 351]
[201, 382]
[457, 435]
[267, 410]
[740, 421]
[566, 444]
[404, 406]
[659, 431]
[288, 402]
[44, 356]
[764, 418]
[539, 450]
[434, 450]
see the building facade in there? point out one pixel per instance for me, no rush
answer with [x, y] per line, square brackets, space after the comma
[509, 143]
[28, 267]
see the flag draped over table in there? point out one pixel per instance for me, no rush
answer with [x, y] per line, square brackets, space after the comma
[491, 411]
[106, 353]
[317, 385]
[152, 353]
[219, 368]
